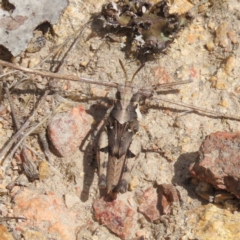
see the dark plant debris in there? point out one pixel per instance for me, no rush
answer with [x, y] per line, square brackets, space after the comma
[149, 28]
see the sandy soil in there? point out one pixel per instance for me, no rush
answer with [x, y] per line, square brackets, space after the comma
[171, 135]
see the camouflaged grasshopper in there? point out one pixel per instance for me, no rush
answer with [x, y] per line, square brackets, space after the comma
[118, 147]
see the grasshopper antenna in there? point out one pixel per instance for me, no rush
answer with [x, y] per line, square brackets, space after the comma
[125, 73]
[137, 71]
[124, 70]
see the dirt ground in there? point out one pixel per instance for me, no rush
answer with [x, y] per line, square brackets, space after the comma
[206, 51]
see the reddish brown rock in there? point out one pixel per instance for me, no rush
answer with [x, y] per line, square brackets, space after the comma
[148, 203]
[219, 162]
[116, 216]
[167, 195]
[46, 213]
[67, 130]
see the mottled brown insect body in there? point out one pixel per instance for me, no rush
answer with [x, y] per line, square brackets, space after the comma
[117, 147]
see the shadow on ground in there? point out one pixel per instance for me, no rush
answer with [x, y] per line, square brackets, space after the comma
[182, 175]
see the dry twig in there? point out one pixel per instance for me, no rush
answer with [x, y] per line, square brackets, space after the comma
[20, 131]
[28, 166]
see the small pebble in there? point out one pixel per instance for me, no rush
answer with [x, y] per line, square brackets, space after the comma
[213, 79]
[223, 103]
[210, 46]
[232, 36]
[220, 85]
[44, 170]
[33, 62]
[221, 35]
[230, 64]
[25, 62]
[134, 183]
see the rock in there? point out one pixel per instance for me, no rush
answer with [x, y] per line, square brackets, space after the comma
[219, 162]
[116, 216]
[44, 170]
[71, 200]
[167, 195]
[148, 203]
[46, 212]
[212, 222]
[33, 235]
[230, 64]
[210, 46]
[219, 83]
[5, 234]
[221, 35]
[18, 26]
[67, 130]
[232, 36]
[224, 103]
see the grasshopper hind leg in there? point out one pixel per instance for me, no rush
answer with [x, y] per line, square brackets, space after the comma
[102, 158]
[133, 152]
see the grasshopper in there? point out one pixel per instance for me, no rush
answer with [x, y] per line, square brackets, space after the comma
[118, 148]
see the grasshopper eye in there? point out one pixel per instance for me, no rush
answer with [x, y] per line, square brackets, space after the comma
[129, 130]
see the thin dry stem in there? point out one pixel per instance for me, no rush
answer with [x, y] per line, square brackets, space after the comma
[198, 109]
[24, 135]
[57, 75]
[46, 150]
[2, 219]
[29, 167]
[14, 138]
